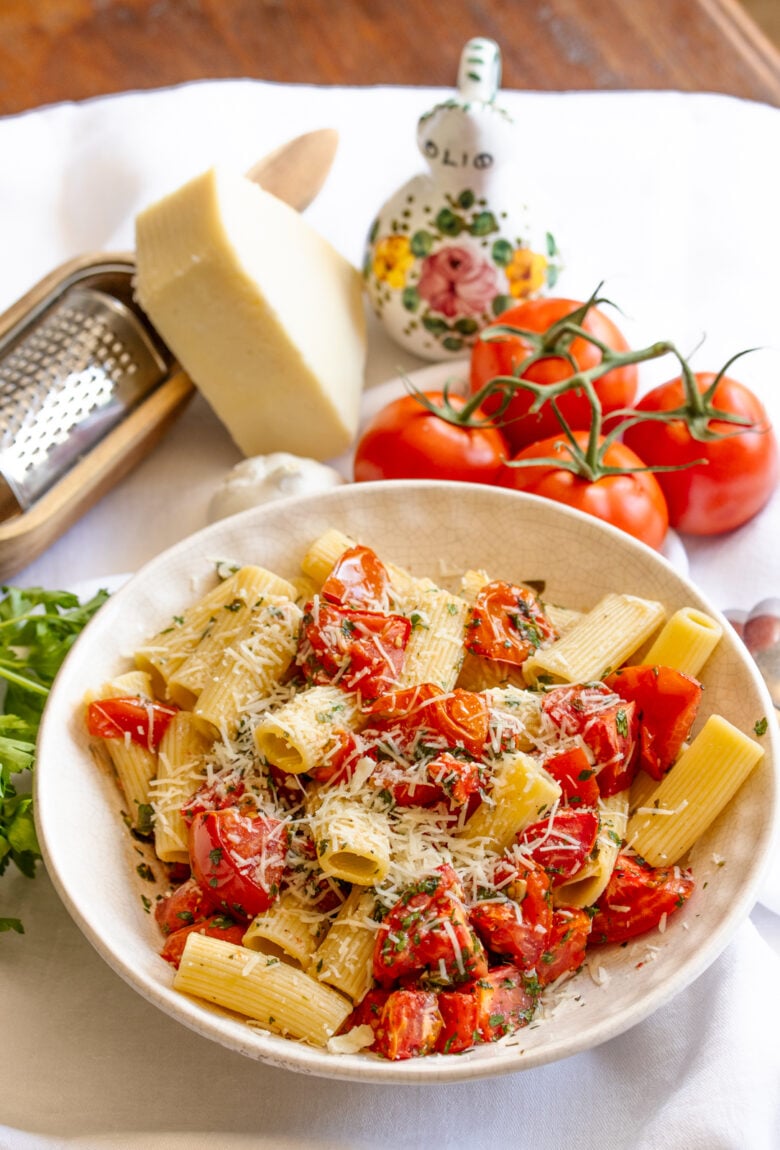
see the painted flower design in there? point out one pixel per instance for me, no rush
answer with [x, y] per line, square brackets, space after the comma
[455, 281]
[392, 259]
[525, 272]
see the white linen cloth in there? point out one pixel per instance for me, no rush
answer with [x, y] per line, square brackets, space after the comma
[670, 199]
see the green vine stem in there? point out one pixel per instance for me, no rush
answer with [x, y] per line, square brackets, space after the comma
[697, 412]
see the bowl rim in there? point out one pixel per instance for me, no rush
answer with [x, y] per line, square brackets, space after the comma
[486, 1060]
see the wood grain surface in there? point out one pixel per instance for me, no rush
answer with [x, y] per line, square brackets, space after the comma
[52, 50]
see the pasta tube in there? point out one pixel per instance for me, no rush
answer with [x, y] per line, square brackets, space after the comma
[600, 641]
[693, 793]
[278, 996]
[521, 792]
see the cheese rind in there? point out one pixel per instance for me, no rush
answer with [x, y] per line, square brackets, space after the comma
[263, 314]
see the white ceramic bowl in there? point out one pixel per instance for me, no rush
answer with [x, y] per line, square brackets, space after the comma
[434, 529]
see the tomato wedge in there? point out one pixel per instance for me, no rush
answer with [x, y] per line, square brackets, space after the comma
[607, 725]
[499, 1003]
[143, 720]
[507, 623]
[460, 717]
[637, 898]
[561, 844]
[216, 926]
[408, 1026]
[358, 579]
[516, 924]
[575, 775]
[566, 945]
[361, 650]
[185, 905]
[238, 859]
[667, 702]
[427, 934]
[444, 779]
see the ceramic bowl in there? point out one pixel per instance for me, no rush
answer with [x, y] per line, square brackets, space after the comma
[436, 529]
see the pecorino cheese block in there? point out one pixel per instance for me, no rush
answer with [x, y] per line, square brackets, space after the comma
[263, 314]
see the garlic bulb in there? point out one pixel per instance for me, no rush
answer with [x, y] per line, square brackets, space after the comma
[264, 478]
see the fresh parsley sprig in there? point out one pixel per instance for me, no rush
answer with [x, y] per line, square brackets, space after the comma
[37, 629]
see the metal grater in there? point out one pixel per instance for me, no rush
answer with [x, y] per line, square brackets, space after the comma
[65, 381]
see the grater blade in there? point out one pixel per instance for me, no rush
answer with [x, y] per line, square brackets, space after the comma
[65, 382]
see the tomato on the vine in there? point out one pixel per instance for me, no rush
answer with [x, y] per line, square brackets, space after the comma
[502, 356]
[741, 466]
[631, 501]
[408, 440]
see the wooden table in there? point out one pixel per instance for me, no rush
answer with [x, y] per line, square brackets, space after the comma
[52, 50]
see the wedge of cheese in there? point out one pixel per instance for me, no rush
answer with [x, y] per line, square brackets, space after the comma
[263, 314]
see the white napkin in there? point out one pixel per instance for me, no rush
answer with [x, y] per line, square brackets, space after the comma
[669, 198]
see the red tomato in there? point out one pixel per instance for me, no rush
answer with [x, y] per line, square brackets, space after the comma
[144, 721]
[223, 792]
[238, 859]
[442, 779]
[667, 702]
[460, 717]
[341, 760]
[517, 926]
[575, 775]
[408, 1026]
[566, 946]
[406, 441]
[560, 845]
[358, 579]
[607, 725]
[460, 1030]
[364, 650]
[741, 469]
[217, 926]
[413, 939]
[185, 905]
[507, 623]
[633, 502]
[637, 898]
[499, 1003]
[617, 388]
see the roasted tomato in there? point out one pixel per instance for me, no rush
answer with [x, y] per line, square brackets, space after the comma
[561, 844]
[362, 650]
[499, 1003]
[503, 356]
[667, 702]
[408, 1026]
[144, 721]
[575, 775]
[515, 923]
[443, 779]
[358, 579]
[739, 470]
[239, 859]
[427, 934]
[566, 946]
[459, 718]
[607, 725]
[507, 623]
[342, 758]
[216, 926]
[185, 905]
[637, 898]
[406, 440]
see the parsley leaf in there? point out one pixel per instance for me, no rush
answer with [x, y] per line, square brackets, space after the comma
[37, 629]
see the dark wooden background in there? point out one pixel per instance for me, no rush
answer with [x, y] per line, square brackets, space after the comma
[52, 50]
